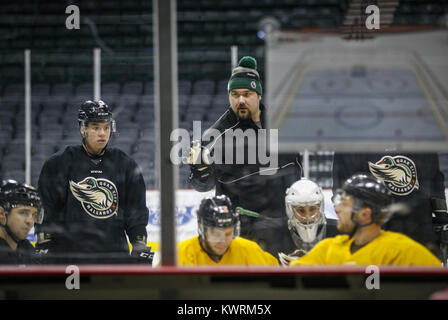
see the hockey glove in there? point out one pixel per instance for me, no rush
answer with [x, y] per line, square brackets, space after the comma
[199, 156]
[440, 219]
[201, 169]
[141, 253]
[286, 259]
[440, 225]
[43, 244]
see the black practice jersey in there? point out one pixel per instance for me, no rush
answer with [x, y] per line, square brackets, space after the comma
[91, 204]
[22, 255]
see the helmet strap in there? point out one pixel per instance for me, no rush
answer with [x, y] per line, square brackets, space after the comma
[83, 127]
[9, 231]
[357, 224]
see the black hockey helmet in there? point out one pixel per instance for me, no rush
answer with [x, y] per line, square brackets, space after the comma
[368, 191]
[95, 111]
[217, 212]
[13, 194]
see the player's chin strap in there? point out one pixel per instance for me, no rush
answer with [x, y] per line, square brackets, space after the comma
[356, 208]
[357, 226]
[9, 231]
[388, 212]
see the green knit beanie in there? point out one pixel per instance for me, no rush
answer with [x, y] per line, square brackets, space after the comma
[245, 76]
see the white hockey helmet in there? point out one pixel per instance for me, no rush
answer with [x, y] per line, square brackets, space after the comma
[304, 193]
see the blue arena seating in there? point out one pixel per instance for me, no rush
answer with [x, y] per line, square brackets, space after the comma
[62, 66]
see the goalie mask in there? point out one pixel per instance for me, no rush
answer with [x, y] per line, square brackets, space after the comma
[305, 208]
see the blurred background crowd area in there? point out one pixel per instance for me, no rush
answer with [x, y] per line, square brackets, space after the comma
[62, 67]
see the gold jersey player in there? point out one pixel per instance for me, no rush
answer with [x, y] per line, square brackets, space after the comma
[218, 242]
[362, 206]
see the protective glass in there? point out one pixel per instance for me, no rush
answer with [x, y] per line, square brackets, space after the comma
[219, 234]
[37, 217]
[336, 199]
[113, 125]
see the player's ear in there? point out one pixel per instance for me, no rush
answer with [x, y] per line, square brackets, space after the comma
[366, 214]
[82, 131]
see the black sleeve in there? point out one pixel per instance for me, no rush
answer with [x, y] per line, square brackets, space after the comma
[339, 171]
[332, 228]
[347, 164]
[438, 186]
[136, 211]
[26, 253]
[438, 199]
[52, 188]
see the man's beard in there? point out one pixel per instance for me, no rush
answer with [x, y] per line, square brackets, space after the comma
[209, 250]
[245, 116]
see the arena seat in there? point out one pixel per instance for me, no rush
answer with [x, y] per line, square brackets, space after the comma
[62, 64]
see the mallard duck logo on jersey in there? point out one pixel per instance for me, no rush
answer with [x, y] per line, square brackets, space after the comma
[398, 173]
[98, 197]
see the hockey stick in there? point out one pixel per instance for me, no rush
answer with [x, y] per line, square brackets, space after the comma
[249, 213]
[296, 162]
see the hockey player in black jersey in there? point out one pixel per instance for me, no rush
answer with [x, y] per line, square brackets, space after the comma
[20, 209]
[94, 198]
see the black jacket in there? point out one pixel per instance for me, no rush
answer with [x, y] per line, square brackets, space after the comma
[242, 182]
[24, 254]
[420, 194]
[91, 204]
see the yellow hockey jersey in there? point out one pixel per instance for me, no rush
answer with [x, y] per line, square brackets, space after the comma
[241, 252]
[389, 248]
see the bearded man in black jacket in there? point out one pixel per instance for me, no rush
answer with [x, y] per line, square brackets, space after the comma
[242, 171]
